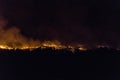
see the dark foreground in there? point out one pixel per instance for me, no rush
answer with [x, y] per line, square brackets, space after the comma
[48, 64]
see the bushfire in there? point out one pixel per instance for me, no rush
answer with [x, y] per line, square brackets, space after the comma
[46, 44]
[11, 38]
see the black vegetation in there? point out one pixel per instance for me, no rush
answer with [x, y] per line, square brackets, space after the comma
[51, 64]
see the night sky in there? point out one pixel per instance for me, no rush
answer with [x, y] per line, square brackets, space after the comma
[69, 21]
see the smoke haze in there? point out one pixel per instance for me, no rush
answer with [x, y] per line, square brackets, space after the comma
[69, 21]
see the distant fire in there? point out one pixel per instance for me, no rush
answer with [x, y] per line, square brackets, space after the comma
[11, 38]
[32, 44]
[82, 49]
[103, 46]
[43, 45]
[55, 44]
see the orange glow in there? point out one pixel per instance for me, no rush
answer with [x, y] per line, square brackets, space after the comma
[103, 46]
[22, 48]
[31, 44]
[46, 44]
[36, 44]
[11, 38]
[53, 44]
[4, 47]
[82, 49]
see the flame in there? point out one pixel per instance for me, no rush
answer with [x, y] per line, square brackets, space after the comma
[4, 47]
[103, 46]
[12, 38]
[53, 44]
[82, 49]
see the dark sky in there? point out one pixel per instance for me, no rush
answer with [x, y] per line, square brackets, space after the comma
[84, 21]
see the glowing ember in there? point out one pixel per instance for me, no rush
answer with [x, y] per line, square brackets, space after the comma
[82, 49]
[4, 47]
[103, 46]
[24, 47]
[53, 44]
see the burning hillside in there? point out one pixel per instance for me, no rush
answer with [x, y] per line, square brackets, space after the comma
[11, 38]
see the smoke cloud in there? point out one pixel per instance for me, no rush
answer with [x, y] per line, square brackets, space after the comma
[70, 22]
[12, 38]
